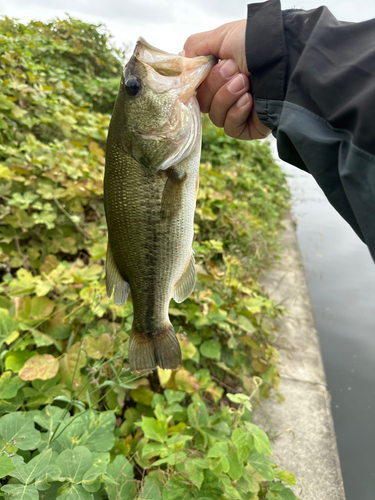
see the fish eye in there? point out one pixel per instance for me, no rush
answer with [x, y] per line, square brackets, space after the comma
[133, 86]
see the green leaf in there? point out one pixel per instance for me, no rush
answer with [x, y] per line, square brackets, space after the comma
[261, 464]
[42, 366]
[6, 466]
[211, 349]
[244, 442]
[97, 347]
[235, 466]
[7, 325]
[26, 473]
[99, 434]
[9, 386]
[121, 471]
[261, 441]
[150, 491]
[218, 450]
[286, 476]
[154, 449]
[74, 463]
[21, 491]
[198, 414]
[14, 360]
[92, 479]
[75, 492]
[20, 427]
[173, 396]
[50, 417]
[142, 395]
[154, 429]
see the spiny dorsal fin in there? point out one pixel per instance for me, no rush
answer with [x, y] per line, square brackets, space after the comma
[114, 280]
[185, 285]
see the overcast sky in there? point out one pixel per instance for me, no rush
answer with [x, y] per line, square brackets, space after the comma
[166, 23]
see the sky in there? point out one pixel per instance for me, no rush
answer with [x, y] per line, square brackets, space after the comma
[165, 23]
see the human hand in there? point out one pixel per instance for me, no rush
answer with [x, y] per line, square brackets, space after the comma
[224, 94]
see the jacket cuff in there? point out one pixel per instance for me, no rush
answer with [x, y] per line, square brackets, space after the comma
[266, 55]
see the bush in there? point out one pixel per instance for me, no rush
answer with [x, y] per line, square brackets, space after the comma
[76, 424]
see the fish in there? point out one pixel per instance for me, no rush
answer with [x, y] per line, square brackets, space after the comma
[150, 187]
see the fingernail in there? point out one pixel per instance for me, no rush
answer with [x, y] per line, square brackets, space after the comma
[236, 84]
[243, 100]
[229, 68]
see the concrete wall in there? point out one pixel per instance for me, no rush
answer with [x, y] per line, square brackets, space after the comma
[305, 442]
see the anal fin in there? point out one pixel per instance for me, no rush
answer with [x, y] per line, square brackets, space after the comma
[114, 280]
[185, 285]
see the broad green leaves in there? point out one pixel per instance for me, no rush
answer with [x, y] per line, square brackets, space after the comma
[19, 428]
[123, 488]
[89, 422]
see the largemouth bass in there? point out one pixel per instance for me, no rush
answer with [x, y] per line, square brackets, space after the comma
[150, 188]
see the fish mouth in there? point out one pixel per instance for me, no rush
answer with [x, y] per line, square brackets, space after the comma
[185, 74]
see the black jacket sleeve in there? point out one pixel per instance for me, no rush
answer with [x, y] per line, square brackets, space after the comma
[314, 86]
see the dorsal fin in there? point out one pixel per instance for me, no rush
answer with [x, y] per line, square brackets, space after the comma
[185, 285]
[114, 280]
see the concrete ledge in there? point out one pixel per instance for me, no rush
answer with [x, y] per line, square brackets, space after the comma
[305, 441]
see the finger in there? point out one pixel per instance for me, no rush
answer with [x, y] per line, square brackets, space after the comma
[220, 75]
[205, 43]
[226, 97]
[242, 122]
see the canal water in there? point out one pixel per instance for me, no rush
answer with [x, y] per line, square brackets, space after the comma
[341, 279]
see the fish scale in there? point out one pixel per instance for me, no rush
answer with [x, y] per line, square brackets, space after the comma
[150, 189]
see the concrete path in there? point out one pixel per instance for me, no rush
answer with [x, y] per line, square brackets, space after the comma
[305, 442]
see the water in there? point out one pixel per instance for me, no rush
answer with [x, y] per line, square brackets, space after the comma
[341, 280]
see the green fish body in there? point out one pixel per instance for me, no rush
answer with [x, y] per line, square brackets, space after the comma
[150, 187]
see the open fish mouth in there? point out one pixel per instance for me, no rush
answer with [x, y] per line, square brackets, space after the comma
[172, 70]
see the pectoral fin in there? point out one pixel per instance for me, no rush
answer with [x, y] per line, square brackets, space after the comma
[185, 285]
[171, 201]
[114, 280]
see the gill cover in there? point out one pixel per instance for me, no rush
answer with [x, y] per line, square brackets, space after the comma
[160, 113]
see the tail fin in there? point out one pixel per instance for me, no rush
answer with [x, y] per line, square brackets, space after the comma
[161, 349]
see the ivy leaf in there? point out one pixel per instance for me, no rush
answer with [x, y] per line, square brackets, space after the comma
[9, 386]
[173, 396]
[142, 395]
[218, 450]
[99, 430]
[6, 466]
[42, 366]
[185, 381]
[50, 417]
[261, 464]
[74, 464]
[244, 442]
[7, 325]
[21, 491]
[26, 473]
[14, 360]
[20, 427]
[97, 347]
[261, 441]
[211, 349]
[154, 429]
[235, 466]
[75, 492]
[286, 476]
[121, 471]
[198, 414]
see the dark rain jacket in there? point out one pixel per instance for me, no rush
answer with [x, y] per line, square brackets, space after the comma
[314, 85]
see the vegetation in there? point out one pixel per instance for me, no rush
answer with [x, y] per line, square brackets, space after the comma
[75, 423]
